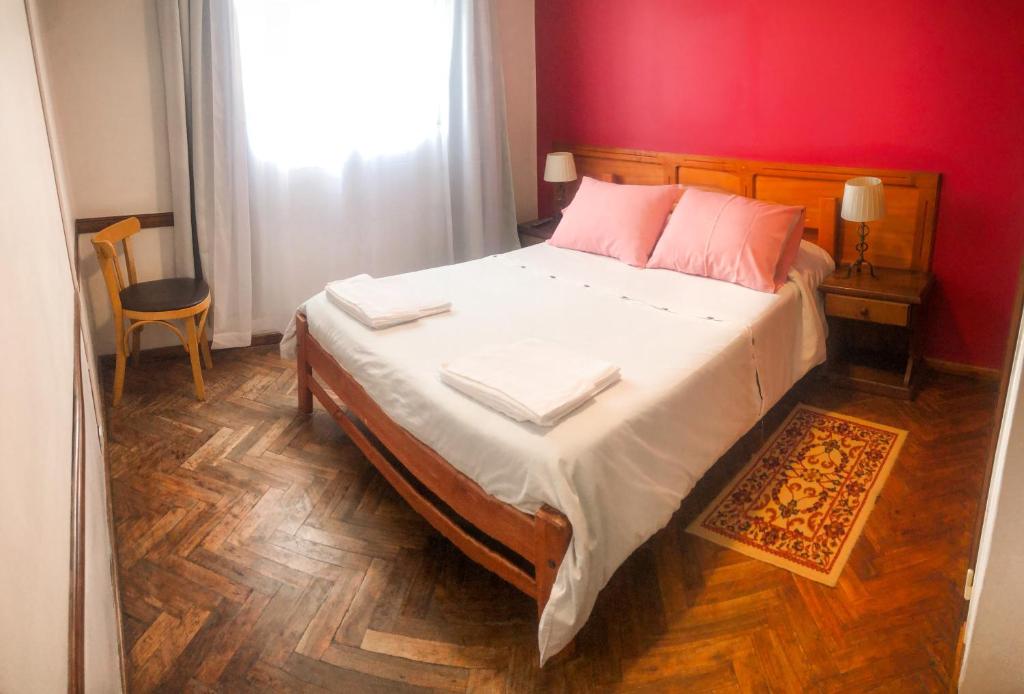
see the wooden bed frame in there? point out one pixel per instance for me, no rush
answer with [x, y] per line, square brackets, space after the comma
[526, 550]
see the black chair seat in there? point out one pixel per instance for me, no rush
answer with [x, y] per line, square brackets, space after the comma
[164, 295]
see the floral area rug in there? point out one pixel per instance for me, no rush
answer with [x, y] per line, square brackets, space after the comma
[803, 500]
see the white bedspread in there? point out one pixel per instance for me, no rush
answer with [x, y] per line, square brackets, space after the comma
[700, 360]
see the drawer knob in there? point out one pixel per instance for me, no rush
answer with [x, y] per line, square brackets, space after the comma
[864, 311]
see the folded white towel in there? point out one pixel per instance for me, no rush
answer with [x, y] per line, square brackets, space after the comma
[381, 303]
[530, 380]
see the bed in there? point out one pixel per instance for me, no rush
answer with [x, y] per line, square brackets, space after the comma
[556, 510]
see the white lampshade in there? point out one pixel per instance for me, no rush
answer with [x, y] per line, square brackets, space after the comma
[863, 199]
[559, 167]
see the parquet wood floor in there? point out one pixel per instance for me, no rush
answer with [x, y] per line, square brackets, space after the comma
[259, 551]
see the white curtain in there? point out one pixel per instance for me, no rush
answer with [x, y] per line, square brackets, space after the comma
[209, 157]
[374, 138]
[479, 162]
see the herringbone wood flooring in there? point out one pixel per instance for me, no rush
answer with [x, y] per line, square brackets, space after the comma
[260, 551]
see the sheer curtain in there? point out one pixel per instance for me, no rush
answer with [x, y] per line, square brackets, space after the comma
[376, 138]
[311, 140]
[208, 148]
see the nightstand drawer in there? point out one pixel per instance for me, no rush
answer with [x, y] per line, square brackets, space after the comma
[870, 310]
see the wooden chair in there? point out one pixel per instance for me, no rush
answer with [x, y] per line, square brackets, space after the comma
[157, 302]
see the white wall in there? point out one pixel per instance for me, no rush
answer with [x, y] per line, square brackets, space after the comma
[103, 667]
[36, 373]
[106, 85]
[994, 651]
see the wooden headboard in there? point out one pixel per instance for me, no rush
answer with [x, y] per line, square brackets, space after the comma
[904, 239]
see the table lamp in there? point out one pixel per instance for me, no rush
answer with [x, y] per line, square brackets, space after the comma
[863, 201]
[559, 169]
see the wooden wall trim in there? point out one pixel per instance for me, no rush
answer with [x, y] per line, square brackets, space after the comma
[76, 595]
[956, 368]
[149, 220]
[175, 351]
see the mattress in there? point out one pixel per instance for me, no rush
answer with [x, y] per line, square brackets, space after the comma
[701, 361]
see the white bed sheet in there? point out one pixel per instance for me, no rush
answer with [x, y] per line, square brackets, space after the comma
[701, 361]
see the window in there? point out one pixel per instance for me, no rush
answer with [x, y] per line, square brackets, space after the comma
[326, 80]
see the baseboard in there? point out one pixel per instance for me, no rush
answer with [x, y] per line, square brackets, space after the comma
[984, 373]
[176, 351]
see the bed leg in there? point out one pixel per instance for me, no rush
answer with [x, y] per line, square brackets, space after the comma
[552, 533]
[302, 368]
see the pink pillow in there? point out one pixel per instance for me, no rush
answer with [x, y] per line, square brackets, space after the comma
[790, 249]
[621, 221]
[731, 238]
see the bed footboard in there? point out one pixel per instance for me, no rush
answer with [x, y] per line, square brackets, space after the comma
[525, 550]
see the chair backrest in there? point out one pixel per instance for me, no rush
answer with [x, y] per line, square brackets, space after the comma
[106, 252]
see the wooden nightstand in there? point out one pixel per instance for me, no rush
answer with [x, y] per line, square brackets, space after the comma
[875, 330]
[537, 231]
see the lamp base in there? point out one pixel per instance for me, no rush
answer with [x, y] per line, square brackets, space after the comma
[860, 262]
[858, 265]
[559, 200]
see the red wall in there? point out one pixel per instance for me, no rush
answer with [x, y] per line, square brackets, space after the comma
[931, 85]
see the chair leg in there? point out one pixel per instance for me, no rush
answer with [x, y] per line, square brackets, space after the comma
[204, 343]
[136, 346]
[121, 358]
[119, 374]
[193, 355]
